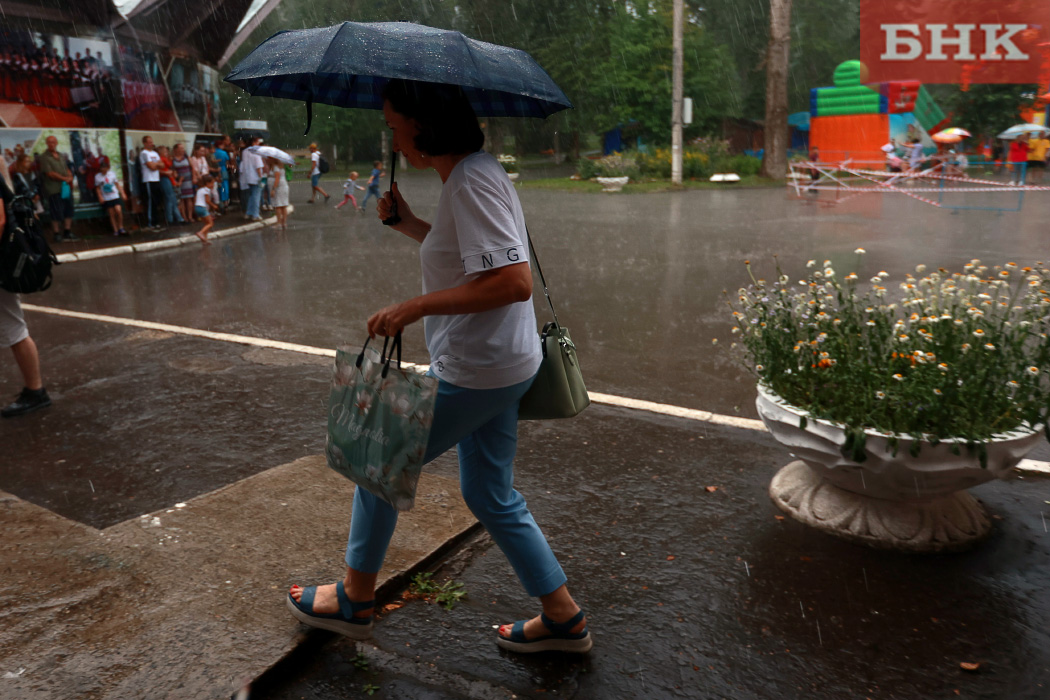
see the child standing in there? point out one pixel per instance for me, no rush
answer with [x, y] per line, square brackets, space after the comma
[203, 206]
[110, 191]
[279, 191]
[348, 190]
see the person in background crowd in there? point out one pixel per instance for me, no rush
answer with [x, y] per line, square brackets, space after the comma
[264, 182]
[280, 191]
[222, 158]
[169, 185]
[915, 156]
[1038, 146]
[150, 166]
[814, 173]
[134, 182]
[109, 191]
[15, 335]
[181, 163]
[89, 169]
[957, 163]
[58, 190]
[199, 164]
[1018, 159]
[203, 207]
[243, 191]
[315, 175]
[25, 180]
[253, 166]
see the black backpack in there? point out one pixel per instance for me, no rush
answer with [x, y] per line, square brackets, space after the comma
[322, 165]
[25, 256]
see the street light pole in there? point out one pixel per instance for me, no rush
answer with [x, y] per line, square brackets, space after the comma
[677, 93]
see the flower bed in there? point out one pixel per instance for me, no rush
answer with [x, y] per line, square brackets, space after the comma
[954, 355]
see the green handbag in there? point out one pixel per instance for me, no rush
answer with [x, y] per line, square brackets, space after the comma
[558, 390]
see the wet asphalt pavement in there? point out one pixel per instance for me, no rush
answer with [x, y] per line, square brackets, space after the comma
[691, 593]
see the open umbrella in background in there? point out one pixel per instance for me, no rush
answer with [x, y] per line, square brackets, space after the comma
[349, 64]
[951, 135]
[1023, 129]
[271, 152]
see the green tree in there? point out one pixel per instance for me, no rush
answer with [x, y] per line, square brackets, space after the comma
[985, 110]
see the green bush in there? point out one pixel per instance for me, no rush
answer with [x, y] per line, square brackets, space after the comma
[700, 160]
[743, 165]
[587, 168]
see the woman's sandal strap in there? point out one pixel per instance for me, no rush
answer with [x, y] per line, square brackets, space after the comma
[561, 627]
[349, 607]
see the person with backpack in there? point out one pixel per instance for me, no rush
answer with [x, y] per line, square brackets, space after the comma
[320, 166]
[13, 330]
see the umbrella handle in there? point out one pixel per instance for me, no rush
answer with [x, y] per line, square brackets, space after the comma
[393, 219]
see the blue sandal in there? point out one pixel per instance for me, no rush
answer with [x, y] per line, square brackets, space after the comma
[560, 638]
[342, 622]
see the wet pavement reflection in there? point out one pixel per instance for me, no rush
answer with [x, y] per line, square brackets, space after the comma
[637, 278]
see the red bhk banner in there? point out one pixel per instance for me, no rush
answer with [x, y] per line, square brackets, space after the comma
[956, 41]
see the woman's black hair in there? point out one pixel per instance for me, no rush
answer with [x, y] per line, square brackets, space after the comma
[447, 123]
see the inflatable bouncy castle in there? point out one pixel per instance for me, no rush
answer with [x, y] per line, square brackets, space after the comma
[853, 120]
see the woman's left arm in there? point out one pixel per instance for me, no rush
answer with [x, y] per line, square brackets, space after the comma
[490, 290]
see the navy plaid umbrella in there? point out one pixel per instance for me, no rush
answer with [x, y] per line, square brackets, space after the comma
[347, 65]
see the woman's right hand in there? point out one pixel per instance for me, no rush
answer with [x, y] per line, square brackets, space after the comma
[387, 208]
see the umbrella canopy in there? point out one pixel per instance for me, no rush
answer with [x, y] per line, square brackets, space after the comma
[347, 65]
[951, 135]
[1021, 129]
[271, 152]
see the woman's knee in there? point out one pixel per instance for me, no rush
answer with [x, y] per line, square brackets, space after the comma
[490, 508]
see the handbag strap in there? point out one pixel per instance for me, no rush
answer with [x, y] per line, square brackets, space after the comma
[536, 259]
[384, 358]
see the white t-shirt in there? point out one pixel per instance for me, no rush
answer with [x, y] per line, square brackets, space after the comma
[202, 197]
[108, 183]
[149, 175]
[316, 158]
[479, 225]
[251, 164]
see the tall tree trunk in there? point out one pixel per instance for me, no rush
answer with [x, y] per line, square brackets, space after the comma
[774, 160]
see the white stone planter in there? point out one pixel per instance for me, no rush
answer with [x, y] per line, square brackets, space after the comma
[513, 176]
[612, 184]
[889, 501]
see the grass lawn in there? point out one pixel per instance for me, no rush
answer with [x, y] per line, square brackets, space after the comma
[633, 187]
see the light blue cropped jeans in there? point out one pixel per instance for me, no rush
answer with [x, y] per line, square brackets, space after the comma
[483, 423]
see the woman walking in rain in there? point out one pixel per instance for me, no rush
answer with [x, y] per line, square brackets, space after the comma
[481, 333]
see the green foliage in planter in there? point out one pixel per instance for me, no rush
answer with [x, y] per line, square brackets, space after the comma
[960, 355]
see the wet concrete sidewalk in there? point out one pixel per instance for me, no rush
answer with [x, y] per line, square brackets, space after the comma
[710, 593]
[96, 240]
[153, 566]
